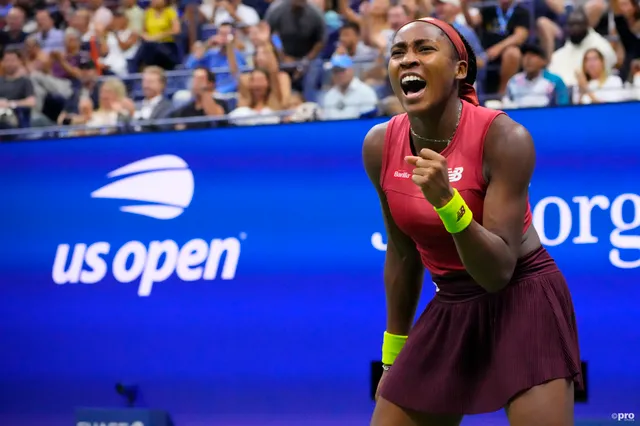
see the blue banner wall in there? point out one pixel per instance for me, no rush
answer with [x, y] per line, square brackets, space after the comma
[235, 274]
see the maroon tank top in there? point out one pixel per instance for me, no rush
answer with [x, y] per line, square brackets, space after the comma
[413, 214]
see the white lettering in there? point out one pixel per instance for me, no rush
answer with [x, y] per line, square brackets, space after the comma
[192, 254]
[97, 265]
[72, 274]
[152, 273]
[230, 247]
[564, 218]
[620, 241]
[139, 253]
[585, 205]
[624, 212]
[377, 242]
[196, 260]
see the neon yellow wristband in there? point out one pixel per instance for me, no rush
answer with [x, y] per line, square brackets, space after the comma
[455, 215]
[391, 346]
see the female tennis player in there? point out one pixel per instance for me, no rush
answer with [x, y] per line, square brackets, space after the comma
[453, 182]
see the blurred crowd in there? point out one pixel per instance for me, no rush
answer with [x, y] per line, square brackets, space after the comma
[103, 66]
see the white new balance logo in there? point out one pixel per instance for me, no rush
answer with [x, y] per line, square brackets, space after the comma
[164, 181]
[455, 174]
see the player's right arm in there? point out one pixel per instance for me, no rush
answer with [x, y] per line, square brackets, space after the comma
[403, 270]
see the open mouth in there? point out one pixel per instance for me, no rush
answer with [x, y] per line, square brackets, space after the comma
[412, 85]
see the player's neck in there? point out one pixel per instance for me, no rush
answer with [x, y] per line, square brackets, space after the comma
[438, 123]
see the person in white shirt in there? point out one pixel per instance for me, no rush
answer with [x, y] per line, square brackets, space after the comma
[530, 88]
[122, 45]
[568, 59]
[595, 84]
[49, 37]
[349, 98]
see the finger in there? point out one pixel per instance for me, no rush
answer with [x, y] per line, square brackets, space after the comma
[419, 180]
[411, 159]
[428, 154]
[420, 171]
[427, 164]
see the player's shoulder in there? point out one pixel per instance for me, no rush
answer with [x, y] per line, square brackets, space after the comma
[373, 149]
[508, 140]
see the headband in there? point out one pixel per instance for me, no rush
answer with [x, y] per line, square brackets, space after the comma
[467, 91]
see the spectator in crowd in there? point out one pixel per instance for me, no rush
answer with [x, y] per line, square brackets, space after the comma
[65, 64]
[121, 44]
[16, 90]
[12, 36]
[28, 6]
[154, 105]
[350, 44]
[134, 14]
[218, 52]
[203, 103]
[49, 37]
[503, 29]
[627, 21]
[81, 21]
[595, 84]
[301, 28]
[534, 86]
[349, 97]
[234, 12]
[89, 86]
[113, 106]
[35, 59]
[266, 60]
[161, 26]
[255, 109]
[63, 13]
[568, 59]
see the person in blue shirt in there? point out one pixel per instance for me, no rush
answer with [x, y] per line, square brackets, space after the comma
[215, 55]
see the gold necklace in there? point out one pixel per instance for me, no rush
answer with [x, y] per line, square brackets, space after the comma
[444, 141]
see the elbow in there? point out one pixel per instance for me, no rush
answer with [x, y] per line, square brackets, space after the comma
[499, 282]
[501, 277]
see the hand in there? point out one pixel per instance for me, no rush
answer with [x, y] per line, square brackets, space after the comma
[4, 103]
[493, 52]
[340, 49]
[432, 176]
[264, 32]
[56, 55]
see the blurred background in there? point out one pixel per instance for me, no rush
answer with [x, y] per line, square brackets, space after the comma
[187, 235]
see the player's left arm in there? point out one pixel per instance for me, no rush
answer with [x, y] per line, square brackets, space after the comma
[490, 251]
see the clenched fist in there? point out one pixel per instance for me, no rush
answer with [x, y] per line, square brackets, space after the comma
[432, 176]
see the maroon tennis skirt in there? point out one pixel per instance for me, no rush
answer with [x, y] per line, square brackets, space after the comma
[471, 352]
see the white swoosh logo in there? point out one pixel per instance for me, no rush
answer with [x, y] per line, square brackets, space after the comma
[164, 181]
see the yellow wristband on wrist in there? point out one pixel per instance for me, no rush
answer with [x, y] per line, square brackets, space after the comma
[455, 215]
[391, 346]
